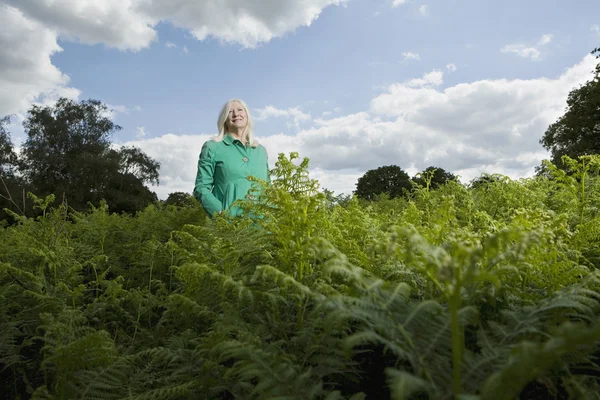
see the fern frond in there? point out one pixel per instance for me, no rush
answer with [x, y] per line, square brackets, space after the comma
[530, 359]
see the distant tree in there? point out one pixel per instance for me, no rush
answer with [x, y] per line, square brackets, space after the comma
[577, 132]
[68, 153]
[181, 199]
[8, 157]
[483, 181]
[438, 178]
[11, 186]
[133, 161]
[389, 179]
[339, 199]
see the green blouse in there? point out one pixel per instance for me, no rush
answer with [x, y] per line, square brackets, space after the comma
[223, 170]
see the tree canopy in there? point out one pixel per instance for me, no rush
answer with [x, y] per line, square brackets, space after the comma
[389, 179]
[8, 157]
[438, 177]
[68, 153]
[577, 132]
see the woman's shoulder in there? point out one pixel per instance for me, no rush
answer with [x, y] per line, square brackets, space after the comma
[212, 144]
[260, 147]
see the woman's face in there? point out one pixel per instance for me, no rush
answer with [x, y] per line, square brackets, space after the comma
[237, 116]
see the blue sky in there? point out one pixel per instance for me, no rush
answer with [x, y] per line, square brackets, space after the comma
[469, 86]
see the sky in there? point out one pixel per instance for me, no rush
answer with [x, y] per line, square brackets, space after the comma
[466, 85]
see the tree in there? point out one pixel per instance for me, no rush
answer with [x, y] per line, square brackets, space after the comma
[339, 199]
[439, 176]
[577, 132]
[11, 185]
[8, 158]
[68, 153]
[484, 180]
[181, 199]
[389, 179]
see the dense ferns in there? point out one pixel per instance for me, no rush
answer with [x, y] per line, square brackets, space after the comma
[489, 292]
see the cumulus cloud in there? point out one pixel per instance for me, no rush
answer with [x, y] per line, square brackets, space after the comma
[528, 51]
[451, 67]
[484, 123]
[178, 155]
[488, 126]
[130, 24]
[424, 10]
[396, 3]
[433, 78]
[27, 71]
[292, 113]
[116, 23]
[250, 22]
[522, 51]
[595, 29]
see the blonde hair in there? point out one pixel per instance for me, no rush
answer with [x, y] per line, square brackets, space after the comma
[248, 132]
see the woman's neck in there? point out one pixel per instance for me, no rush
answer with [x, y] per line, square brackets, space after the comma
[238, 135]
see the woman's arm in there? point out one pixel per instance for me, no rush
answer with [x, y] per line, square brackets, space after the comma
[205, 181]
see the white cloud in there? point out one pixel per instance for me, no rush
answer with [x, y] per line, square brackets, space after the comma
[137, 108]
[545, 39]
[522, 51]
[485, 125]
[27, 71]
[118, 109]
[178, 155]
[116, 23]
[249, 22]
[396, 3]
[293, 113]
[130, 24]
[528, 51]
[433, 78]
[410, 56]
[113, 110]
[424, 10]
[451, 67]
[140, 132]
[170, 45]
[595, 29]
[185, 50]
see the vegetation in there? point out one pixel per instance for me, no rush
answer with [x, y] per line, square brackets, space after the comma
[391, 180]
[577, 132]
[68, 153]
[486, 292]
[418, 288]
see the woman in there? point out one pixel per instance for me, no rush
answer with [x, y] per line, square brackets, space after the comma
[226, 162]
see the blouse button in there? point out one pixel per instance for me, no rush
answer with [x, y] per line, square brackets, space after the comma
[245, 159]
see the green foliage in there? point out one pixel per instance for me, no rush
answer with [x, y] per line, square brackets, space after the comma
[577, 132]
[391, 180]
[433, 177]
[482, 292]
[181, 199]
[68, 153]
